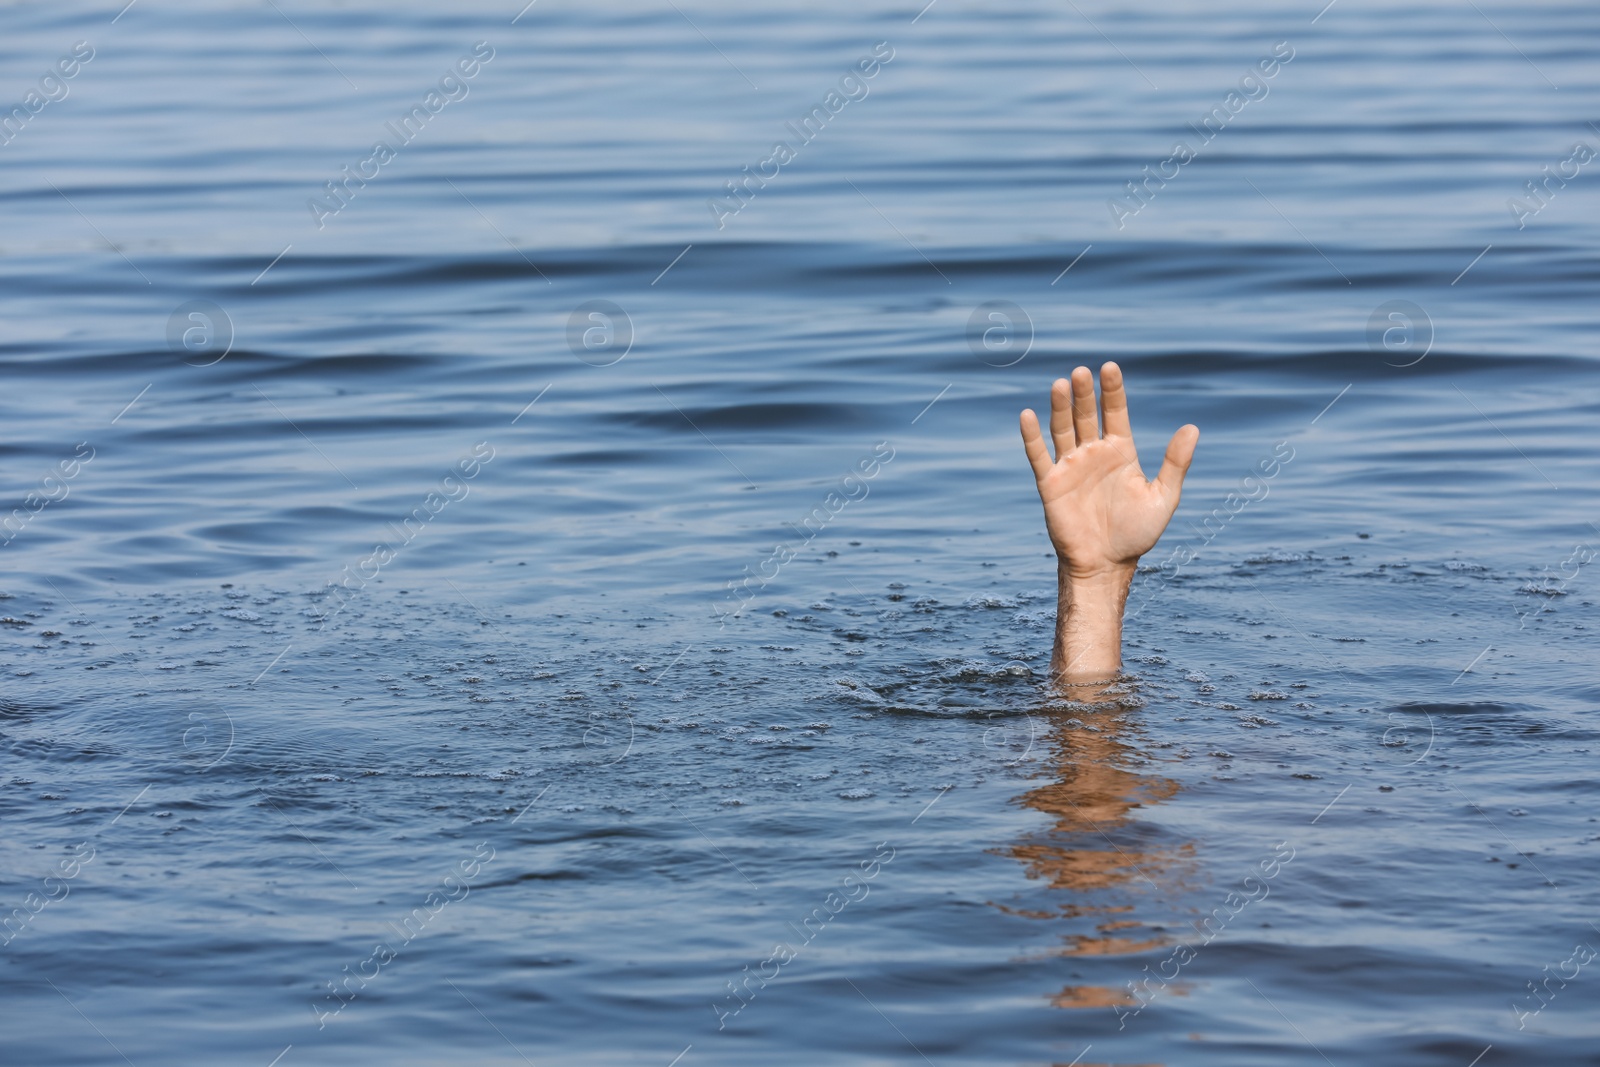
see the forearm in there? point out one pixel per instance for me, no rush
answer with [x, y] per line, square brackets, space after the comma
[1088, 644]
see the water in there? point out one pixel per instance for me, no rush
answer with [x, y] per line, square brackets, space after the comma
[519, 793]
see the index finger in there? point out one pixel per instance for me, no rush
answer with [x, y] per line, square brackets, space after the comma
[1114, 402]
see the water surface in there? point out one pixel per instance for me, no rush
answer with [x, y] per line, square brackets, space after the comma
[520, 786]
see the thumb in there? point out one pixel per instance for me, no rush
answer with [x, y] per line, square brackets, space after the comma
[1180, 453]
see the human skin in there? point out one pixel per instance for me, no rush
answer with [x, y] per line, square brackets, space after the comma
[1101, 514]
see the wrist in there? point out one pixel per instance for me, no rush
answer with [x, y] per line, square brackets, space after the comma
[1099, 575]
[1095, 597]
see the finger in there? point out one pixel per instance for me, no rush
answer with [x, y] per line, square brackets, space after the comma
[1033, 443]
[1180, 453]
[1061, 417]
[1085, 421]
[1114, 402]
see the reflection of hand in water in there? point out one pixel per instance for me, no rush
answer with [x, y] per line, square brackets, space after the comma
[1101, 513]
[1092, 793]
[1088, 852]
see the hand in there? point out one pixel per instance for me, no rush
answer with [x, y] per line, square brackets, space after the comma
[1102, 516]
[1101, 513]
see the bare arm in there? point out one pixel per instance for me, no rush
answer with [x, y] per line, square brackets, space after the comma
[1101, 513]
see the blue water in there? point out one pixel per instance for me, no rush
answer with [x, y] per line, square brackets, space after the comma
[376, 691]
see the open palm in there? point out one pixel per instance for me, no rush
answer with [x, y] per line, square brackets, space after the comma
[1101, 513]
